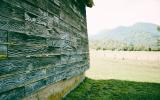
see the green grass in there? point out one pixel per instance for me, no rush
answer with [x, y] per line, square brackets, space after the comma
[115, 90]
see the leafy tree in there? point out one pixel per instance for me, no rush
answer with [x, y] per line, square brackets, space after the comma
[99, 48]
[158, 43]
[158, 28]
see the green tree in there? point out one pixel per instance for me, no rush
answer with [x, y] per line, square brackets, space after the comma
[158, 44]
[158, 28]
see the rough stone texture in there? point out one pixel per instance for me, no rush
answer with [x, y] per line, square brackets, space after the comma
[57, 90]
[41, 42]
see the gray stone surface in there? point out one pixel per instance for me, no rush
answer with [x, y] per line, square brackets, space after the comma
[41, 42]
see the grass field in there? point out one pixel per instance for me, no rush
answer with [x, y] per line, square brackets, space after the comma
[138, 66]
[115, 90]
[120, 75]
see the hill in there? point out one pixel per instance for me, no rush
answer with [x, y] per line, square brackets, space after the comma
[140, 36]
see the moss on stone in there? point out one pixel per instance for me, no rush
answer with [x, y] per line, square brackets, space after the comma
[2, 57]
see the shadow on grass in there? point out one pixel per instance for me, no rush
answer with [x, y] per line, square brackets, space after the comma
[114, 90]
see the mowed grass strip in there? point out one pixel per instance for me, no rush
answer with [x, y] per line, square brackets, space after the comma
[115, 90]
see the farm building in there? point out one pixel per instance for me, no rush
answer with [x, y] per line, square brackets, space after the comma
[43, 48]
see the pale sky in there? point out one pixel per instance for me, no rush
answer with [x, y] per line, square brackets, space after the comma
[109, 14]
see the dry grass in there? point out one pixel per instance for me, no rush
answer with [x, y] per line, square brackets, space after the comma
[125, 65]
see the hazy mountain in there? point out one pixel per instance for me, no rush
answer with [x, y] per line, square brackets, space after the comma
[143, 35]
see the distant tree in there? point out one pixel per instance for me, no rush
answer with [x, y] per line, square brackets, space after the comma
[131, 47]
[98, 48]
[113, 49]
[158, 28]
[158, 44]
[149, 49]
[104, 49]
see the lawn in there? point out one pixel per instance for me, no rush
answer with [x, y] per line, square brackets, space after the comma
[115, 90]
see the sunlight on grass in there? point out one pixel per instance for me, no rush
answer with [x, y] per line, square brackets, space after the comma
[115, 90]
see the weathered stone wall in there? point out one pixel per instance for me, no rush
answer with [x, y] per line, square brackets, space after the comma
[57, 91]
[41, 42]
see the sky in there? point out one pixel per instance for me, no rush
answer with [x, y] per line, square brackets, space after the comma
[109, 14]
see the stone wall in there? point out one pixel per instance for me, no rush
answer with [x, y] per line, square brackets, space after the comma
[41, 42]
[57, 91]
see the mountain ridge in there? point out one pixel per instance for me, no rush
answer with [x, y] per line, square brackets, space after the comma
[144, 34]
